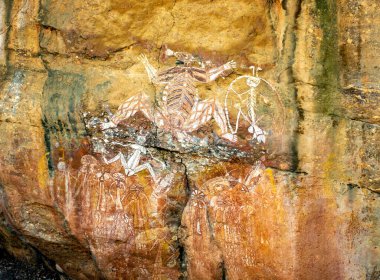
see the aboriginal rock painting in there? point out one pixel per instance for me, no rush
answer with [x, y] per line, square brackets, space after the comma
[123, 204]
[245, 102]
[215, 194]
[232, 215]
[123, 197]
[180, 111]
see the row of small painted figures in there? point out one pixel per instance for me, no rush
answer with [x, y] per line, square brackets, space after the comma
[91, 168]
[112, 183]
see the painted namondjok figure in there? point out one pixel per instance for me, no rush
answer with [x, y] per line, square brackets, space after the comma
[179, 110]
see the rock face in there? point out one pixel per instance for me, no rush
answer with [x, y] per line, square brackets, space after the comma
[137, 142]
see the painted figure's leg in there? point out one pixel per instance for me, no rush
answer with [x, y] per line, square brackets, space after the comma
[115, 158]
[221, 120]
[145, 166]
[129, 108]
[202, 112]
[151, 71]
[132, 106]
[257, 133]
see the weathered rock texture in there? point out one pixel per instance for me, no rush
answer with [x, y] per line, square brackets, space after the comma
[304, 205]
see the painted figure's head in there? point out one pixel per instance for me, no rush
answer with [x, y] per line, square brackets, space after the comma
[183, 58]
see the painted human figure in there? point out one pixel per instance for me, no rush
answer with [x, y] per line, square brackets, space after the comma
[179, 110]
[132, 164]
[139, 205]
[199, 207]
[246, 103]
[120, 186]
[102, 200]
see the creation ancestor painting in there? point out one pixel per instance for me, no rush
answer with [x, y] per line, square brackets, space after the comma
[178, 171]
[191, 139]
[123, 195]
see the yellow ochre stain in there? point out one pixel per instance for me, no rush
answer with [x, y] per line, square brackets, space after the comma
[272, 181]
[42, 173]
[279, 215]
[328, 168]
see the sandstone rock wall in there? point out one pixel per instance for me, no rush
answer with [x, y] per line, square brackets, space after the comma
[302, 205]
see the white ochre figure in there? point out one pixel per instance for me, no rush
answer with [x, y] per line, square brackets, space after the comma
[132, 165]
[245, 103]
[179, 110]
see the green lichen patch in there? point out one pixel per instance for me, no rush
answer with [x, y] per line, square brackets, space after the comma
[328, 76]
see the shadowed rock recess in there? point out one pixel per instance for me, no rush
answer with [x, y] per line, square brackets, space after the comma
[194, 139]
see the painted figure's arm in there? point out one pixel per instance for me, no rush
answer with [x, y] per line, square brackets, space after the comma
[151, 71]
[221, 71]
